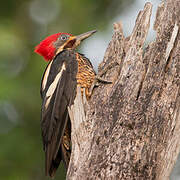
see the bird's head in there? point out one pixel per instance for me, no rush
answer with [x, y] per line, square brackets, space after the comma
[56, 43]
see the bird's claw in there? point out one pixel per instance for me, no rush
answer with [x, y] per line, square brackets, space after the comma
[96, 83]
[102, 80]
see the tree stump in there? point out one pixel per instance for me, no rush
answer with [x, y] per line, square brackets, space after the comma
[130, 129]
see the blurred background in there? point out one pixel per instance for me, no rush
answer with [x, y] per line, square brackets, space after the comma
[23, 24]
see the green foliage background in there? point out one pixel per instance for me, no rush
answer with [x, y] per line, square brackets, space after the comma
[23, 24]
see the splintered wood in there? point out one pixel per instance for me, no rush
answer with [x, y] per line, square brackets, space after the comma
[130, 129]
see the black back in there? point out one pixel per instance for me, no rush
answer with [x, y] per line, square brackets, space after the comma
[58, 94]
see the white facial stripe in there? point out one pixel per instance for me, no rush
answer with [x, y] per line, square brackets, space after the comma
[46, 74]
[53, 86]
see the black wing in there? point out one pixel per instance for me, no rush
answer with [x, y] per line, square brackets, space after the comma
[58, 90]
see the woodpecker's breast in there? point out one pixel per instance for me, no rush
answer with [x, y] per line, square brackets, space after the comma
[86, 74]
[79, 69]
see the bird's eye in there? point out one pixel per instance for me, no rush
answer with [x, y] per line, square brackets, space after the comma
[63, 37]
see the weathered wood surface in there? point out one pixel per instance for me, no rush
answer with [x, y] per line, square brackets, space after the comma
[130, 129]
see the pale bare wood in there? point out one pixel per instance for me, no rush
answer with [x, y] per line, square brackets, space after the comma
[130, 129]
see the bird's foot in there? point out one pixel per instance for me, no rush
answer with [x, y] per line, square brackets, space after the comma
[96, 83]
[102, 80]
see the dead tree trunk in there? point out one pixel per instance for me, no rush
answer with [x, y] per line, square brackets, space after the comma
[130, 129]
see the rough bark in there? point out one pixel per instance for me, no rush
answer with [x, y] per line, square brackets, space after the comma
[130, 129]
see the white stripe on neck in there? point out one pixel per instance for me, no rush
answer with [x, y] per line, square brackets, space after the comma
[46, 76]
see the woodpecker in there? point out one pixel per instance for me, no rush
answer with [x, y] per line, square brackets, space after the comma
[66, 70]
